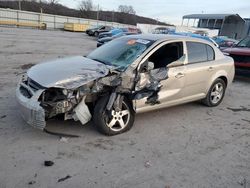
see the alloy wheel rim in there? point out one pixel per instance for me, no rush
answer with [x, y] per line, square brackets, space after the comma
[118, 119]
[217, 93]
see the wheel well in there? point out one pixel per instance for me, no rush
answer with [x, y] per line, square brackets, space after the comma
[224, 79]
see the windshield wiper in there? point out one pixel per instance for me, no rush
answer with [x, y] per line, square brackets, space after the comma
[103, 62]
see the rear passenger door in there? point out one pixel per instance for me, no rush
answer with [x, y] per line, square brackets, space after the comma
[199, 68]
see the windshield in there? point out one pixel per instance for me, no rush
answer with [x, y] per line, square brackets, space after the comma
[120, 52]
[244, 43]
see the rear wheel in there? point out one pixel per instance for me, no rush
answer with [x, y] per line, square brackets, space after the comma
[216, 93]
[113, 122]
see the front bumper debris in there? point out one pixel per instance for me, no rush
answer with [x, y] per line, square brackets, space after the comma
[30, 108]
[82, 112]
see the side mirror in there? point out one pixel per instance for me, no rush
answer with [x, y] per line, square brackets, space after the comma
[147, 66]
[150, 66]
[178, 62]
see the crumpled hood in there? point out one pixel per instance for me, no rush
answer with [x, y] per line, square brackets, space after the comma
[67, 73]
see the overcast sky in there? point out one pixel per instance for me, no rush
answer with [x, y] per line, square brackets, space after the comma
[171, 11]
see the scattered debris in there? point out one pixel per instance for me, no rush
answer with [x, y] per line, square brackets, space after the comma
[246, 120]
[48, 163]
[64, 139]
[32, 182]
[63, 179]
[3, 116]
[60, 134]
[147, 164]
[242, 109]
[242, 181]
[82, 112]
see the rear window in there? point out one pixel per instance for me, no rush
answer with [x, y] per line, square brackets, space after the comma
[199, 52]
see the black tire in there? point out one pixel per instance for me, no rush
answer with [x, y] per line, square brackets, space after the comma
[96, 34]
[211, 97]
[102, 116]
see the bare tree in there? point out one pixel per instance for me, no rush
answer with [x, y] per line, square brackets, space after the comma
[86, 5]
[126, 9]
[53, 2]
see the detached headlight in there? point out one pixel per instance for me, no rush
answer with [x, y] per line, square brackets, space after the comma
[78, 94]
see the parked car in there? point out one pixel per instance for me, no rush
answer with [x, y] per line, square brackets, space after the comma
[201, 32]
[105, 40]
[129, 75]
[196, 36]
[112, 32]
[134, 30]
[97, 30]
[161, 30]
[225, 42]
[241, 55]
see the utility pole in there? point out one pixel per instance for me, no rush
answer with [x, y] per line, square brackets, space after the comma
[19, 5]
[41, 12]
[97, 15]
[41, 9]
[113, 16]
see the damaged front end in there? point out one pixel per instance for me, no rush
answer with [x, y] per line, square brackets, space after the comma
[38, 104]
[70, 86]
[28, 104]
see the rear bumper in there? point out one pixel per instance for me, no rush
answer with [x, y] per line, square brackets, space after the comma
[30, 108]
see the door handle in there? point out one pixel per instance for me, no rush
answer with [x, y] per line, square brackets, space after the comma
[179, 75]
[210, 69]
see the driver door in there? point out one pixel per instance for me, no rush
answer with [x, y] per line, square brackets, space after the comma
[171, 90]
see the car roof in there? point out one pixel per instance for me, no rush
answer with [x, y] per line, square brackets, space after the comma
[164, 37]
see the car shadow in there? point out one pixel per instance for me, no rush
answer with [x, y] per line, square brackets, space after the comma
[76, 129]
[240, 78]
[70, 128]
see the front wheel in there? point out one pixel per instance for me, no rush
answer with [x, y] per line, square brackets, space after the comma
[216, 93]
[113, 122]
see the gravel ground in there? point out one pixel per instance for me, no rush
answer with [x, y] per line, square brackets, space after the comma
[184, 146]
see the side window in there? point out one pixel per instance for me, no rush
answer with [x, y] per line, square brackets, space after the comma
[210, 53]
[166, 54]
[199, 52]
